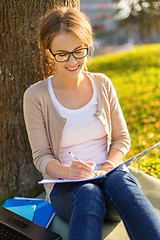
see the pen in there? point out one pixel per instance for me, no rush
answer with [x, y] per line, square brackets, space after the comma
[73, 156]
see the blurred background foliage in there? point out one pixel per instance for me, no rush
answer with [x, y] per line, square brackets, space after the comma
[140, 15]
[135, 75]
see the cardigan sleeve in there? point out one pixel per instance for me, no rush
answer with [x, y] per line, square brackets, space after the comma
[119, 133]
[36, 130]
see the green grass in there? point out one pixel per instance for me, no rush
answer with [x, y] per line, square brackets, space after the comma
[4, 195]
[135, 75]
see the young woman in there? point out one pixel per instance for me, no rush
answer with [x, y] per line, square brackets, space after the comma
[74, 110]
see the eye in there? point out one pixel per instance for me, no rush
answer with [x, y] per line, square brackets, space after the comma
[62, 54]
[79, 51]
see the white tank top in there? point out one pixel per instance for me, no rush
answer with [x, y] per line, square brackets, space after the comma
[83, 134]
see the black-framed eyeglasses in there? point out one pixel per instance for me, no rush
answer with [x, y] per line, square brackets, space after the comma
[64, 56]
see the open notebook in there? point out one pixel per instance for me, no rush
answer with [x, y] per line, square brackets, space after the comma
[126, 163]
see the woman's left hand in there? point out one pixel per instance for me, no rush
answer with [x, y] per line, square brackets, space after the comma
[103, 170]
[99, 173]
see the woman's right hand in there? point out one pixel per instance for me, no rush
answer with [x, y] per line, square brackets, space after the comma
[81, 170]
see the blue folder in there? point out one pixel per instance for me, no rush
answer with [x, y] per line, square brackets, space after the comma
[36, 210]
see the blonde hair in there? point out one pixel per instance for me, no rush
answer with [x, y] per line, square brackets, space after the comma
[62, 19]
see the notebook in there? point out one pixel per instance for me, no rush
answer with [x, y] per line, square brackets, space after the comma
[127, 163]
[14, 226]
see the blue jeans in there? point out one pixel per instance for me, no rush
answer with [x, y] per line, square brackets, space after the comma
[85, 204]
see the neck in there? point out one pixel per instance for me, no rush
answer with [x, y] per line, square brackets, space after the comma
[64, 82]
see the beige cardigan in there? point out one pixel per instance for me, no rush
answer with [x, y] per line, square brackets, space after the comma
[45, 126]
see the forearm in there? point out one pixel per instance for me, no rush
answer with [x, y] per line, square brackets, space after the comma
[78, 170]
[58, 170]
[114, 156]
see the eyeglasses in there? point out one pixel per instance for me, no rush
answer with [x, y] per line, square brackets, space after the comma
[64, 57]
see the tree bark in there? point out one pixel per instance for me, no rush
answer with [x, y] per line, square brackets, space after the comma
[19, 68]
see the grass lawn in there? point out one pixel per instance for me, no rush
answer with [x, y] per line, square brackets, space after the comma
[135, 75]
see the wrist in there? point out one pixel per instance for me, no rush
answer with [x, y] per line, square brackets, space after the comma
[66, 172]
[58, 170]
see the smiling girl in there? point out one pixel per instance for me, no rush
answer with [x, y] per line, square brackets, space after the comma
[74, 110]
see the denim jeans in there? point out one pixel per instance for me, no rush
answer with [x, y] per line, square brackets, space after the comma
[85, 204]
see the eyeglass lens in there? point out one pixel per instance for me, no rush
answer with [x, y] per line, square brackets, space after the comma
[81, 53]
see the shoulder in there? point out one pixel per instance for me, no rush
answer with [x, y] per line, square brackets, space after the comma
[100, 78]
[37, 89]
[102, 81]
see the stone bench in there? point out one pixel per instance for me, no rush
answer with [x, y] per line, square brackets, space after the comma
[116, 230]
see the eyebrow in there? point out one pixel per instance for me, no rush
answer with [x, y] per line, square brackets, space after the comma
[67, 51]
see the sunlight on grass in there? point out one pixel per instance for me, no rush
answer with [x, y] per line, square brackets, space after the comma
[135, 75]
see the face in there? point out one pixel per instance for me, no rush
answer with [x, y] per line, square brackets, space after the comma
[68, 42]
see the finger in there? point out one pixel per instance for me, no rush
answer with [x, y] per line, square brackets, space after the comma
[79, 172]
[83, 165]
[92, 164]
[102, 173]
[82, 173]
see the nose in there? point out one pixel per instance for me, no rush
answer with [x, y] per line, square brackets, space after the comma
[72, 60]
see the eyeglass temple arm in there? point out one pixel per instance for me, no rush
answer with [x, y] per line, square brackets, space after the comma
[51, 52]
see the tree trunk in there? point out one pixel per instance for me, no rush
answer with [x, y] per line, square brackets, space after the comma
[19, 68]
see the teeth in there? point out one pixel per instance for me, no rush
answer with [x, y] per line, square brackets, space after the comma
[72, 69]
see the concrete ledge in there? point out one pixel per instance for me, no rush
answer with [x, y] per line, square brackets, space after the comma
[115, 230]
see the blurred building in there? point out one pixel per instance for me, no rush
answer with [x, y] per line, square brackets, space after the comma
[102, 16]
[101, 13]
[104, 19]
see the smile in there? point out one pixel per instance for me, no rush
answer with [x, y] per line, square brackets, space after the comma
[73, 69]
